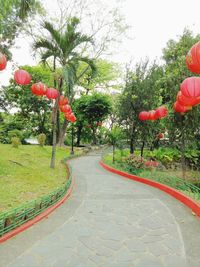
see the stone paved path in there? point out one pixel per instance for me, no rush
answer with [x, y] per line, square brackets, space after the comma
[109, 221]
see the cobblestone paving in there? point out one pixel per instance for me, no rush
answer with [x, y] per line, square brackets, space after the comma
[118, 223]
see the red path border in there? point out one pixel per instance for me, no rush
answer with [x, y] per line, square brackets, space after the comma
[194, 206]
[37, 218]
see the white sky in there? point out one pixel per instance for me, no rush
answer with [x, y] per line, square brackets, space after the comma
[153, 23]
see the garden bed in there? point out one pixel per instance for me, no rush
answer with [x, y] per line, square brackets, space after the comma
[170, 178]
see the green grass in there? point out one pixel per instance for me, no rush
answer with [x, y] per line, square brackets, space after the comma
[25, 173]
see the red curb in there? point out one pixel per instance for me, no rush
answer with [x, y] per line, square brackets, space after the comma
[39, 217]
[194, 206]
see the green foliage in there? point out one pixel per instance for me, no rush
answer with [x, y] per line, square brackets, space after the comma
[171, 157]
[15, 141]
[175, 71]
[60, 46]
[106, 73]
[91, 109]
[15, 133]
[13, 125]
[133, 162]
[41, 139]
[12, 17]
[141, 92]
[33, 112]
[115, 136]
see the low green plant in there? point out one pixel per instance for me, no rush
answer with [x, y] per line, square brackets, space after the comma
[41, 139]
[15, 141]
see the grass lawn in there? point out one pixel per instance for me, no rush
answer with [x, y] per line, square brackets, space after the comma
[25, 173]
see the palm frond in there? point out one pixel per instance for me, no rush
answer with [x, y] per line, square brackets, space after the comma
[55, 34]
[44, 43]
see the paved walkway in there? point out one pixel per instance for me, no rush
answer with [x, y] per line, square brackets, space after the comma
[109, 221]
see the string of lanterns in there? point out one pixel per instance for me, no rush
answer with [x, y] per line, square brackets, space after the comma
[22, 77]
[152, 115]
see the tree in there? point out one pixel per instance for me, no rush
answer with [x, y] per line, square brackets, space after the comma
[62, 48]
[115, 137]
[106, 76]
[33, 110]
[141, 92]
[90, 110]
[12, 17]
[183, 130]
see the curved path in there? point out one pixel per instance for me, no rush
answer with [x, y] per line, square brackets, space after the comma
[109, 221]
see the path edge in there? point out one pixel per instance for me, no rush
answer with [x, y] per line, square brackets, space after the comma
[187, 201]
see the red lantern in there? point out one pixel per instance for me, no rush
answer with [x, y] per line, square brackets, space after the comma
[39, 89]
[22, 77]
[144, 115]
[190, 87]
[70, 117]
[63, 100]
[193, 58]
[161, 112]
[3, 62]
[52, 93]
[186, 101]
[181, 109]
[65, 109]
[152, 115]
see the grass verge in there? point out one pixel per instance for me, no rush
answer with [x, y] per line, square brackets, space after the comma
[25, 173]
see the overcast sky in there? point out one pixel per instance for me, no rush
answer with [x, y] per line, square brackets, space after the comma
[153, 23]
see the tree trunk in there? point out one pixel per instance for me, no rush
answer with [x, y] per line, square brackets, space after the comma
[183, 165]
[132, 146]
[72, 147]
[54, 129]
[113, 154]
[62, 133]
[94, 136]
[132, 140]
[80, 127]
[142, 149]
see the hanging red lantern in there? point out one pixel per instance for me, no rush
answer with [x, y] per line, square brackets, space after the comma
[143, 115]
[161, 112]
[193, 58]
[70, 117]
[190, 87]
[181, 109]
[39, 89]
[3, 61]
[63, 100]
[152, 115]
[22, 77]
[52, 93]
[186, 101]
[65, 109]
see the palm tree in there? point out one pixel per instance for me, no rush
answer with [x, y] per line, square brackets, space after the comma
[61, 47]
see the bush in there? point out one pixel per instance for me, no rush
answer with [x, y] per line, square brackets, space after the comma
[15, 133]
[41, 139]
[15, 142]
[171, 157]
[134, 164]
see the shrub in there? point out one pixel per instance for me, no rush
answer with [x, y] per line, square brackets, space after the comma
[134, 164]
[15, 142]
[41, 139]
